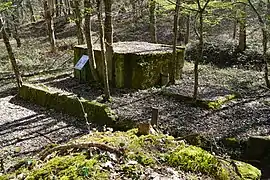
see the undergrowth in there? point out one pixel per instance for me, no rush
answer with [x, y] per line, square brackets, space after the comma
[140, 153]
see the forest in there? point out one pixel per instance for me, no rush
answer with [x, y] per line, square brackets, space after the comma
[134, 89]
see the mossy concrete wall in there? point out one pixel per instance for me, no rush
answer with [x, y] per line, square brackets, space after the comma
[68, 103]
[131, 68]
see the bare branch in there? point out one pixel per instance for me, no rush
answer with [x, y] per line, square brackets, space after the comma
[103, 147]
[205, 5]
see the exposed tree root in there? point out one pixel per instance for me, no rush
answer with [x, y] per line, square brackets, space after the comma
[104, 147]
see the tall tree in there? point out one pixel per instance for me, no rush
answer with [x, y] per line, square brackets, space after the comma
[10, 53]
[234, 20]
[201, 9]
[15, 28]
[264, 22]
[153, 21]
[242, 43]
[103, 56]
[108, 34]
[172, 63]
[88, 38]
[15, 24]
[49, 12]
[76, 6]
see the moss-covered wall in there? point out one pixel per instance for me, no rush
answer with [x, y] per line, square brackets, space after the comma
[147, 69]
[68, 103]
[132, 70]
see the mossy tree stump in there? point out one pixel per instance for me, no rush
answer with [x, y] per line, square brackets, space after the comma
[136, 65]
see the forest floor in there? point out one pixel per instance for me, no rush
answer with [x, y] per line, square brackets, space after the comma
[247, 115]
[26, 128]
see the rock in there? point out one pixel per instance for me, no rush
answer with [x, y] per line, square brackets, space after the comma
[248, 171]
[258, 148]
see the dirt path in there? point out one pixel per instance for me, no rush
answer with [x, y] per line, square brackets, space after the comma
[25, 128]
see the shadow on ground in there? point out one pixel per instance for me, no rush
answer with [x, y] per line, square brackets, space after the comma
[26, 128]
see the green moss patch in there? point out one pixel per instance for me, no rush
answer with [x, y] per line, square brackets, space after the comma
[206, 104]
[248, 171]
[191, 158]
[69, 167]
[221, 101]
[140, 153]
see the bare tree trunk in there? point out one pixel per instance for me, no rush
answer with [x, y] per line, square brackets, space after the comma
[242, 32]
[200, 48]
[235, 21]
[8, 28]
[172, 62]
[108, 27]
[153, 21]
[15, 25]
[76, 6]
[187, 29]
[49, 11]
[103, 56]
[88, 37]
[10, 54]
[199, 57]
[264, 24]
[15, 29]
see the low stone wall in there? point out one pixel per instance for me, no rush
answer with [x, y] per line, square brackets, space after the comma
[68, 103]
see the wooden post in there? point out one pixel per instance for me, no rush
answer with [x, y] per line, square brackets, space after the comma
[154, 119]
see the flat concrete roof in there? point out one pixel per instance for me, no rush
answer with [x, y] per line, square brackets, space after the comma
[136, 47]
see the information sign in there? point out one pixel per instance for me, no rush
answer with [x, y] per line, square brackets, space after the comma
[80, 64]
